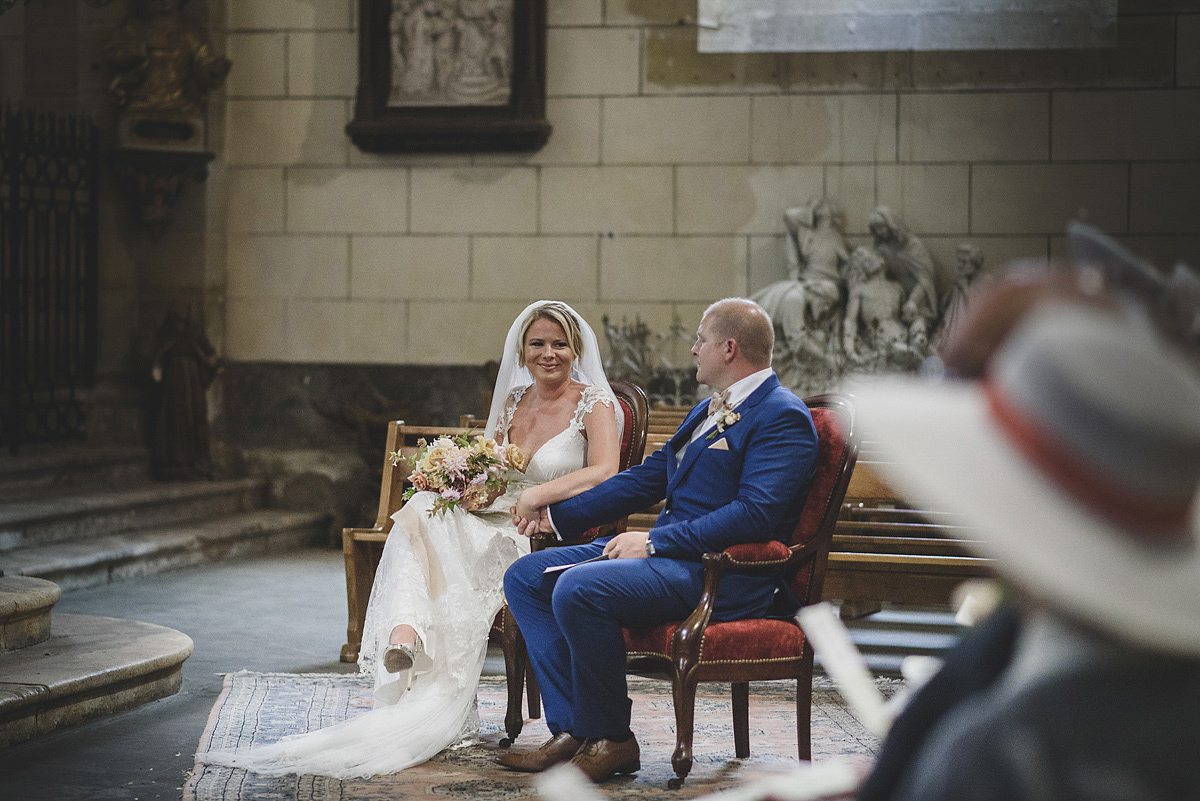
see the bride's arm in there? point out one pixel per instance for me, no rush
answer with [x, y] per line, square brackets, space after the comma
[603, 451]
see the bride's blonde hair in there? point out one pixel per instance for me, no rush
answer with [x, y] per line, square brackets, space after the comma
[557, 313]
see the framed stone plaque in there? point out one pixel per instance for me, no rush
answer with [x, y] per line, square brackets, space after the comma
[451, 76]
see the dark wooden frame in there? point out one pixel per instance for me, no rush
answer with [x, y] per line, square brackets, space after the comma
[519, 125]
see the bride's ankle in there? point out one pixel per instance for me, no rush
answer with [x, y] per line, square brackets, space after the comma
[403, 634]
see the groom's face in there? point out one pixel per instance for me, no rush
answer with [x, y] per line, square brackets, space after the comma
[709, 351]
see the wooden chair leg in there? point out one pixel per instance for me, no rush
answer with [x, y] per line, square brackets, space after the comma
[516, 663]
[684, 692]
[804, 716]
[532, 693]
[360, 574]
[741, 718]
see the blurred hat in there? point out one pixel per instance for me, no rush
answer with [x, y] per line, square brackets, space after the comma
[1076, 461]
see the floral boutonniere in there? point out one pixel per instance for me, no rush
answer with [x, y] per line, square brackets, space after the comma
[724, 421]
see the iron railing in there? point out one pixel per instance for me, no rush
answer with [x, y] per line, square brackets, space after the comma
[49, 186]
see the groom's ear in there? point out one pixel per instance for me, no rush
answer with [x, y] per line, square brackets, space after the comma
[731, 350]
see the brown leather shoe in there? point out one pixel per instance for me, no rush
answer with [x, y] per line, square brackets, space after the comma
[557, 749]
[600, 760]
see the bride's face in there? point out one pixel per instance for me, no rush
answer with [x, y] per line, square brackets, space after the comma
[548, 354]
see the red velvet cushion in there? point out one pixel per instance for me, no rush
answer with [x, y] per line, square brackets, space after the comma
[734, 641]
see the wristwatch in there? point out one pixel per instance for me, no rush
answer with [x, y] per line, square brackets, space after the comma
[649, 546]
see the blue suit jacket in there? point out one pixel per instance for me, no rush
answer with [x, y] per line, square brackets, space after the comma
[751, 490]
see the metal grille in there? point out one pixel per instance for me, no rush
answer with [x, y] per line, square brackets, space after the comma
[48, 275]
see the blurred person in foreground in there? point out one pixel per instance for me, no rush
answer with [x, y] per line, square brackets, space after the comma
[1073, 452]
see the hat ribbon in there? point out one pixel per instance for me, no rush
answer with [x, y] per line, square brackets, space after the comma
[1146, 517]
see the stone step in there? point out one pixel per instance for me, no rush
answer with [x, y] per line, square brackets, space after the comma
[25, 604]
[90, 667]
[73, 517]
[114, 557]
[44, 471]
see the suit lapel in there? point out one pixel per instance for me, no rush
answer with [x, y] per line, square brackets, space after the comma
[694, 450]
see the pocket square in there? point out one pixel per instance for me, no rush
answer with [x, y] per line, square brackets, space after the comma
[719, 445]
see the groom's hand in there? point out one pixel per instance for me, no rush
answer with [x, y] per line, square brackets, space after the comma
[627, 545]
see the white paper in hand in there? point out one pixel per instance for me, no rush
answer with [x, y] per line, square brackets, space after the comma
[842, 660]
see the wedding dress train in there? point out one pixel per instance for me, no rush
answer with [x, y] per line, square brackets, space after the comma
[442, 575]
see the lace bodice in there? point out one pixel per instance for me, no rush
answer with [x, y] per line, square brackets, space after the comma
[563, 453]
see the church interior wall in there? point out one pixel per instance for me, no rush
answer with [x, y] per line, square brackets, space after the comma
[319, 267]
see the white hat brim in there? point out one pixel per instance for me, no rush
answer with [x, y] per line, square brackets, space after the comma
[942, 450]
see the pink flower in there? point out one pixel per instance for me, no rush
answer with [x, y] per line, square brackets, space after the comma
[451, 494]
[418, 480]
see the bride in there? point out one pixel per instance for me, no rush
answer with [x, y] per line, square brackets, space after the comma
[439, 581]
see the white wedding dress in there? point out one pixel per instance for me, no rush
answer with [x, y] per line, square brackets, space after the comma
[442, 575]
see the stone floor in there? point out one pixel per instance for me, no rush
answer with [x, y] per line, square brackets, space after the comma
[145, 753]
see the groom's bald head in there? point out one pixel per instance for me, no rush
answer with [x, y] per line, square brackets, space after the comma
[746, 323]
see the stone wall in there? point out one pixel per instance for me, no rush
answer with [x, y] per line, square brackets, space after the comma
[663, 184]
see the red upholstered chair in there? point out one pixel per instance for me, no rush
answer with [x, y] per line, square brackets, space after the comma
[694, 650]
[516, 659]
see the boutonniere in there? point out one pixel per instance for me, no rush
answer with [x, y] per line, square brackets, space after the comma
[724, 421]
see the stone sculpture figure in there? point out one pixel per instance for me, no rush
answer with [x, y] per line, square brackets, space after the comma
[805, 306]
[873, 336]
[159, 64]
[908, 262]
[968, 262]
[185, 363]
[450, 52]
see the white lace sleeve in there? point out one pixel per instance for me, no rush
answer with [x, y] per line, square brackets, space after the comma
[510, 407]
[592, 395]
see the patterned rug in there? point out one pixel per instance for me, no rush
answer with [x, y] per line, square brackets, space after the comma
[271, 705]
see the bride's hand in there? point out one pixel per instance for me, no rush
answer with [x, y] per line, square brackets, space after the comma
[526, 507]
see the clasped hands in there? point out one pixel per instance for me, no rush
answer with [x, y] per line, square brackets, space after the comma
[531, 520]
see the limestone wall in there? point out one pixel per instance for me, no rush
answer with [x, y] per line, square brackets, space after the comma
[664, 181]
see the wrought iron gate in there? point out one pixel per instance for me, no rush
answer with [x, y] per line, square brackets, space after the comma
[49, 175]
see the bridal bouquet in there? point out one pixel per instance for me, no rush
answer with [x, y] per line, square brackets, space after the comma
[462, 470]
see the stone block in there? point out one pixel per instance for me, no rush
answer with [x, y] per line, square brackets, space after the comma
[1148, 125]
[766, 262]
[823, 128]
[1043, 198]
[1163, 198]
[531, 267]
[574, 12]
[289, 14]
[653, 12]
[347, 201]
[256, 200]
[847, 71]
[355, 331]
[858, 188]
[627, 200]
[484, 200]
[1142, 57]
[461, 332]
[676, 130]
[404, 267]
[268, 266]
[256, 330]
[929, 198]
[323, 64]
[259, 65]
[1187, 50]
[262, 132]
[995, 126]
[673, 65]
[741, 200]
[592, 61]
[575, 138]
[698, 269]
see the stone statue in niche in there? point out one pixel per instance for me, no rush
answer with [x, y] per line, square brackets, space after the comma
[185, 364]
[873, 338]
[450, 52]
[806, 306]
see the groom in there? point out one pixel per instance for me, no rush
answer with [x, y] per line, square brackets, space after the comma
[736, 471]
